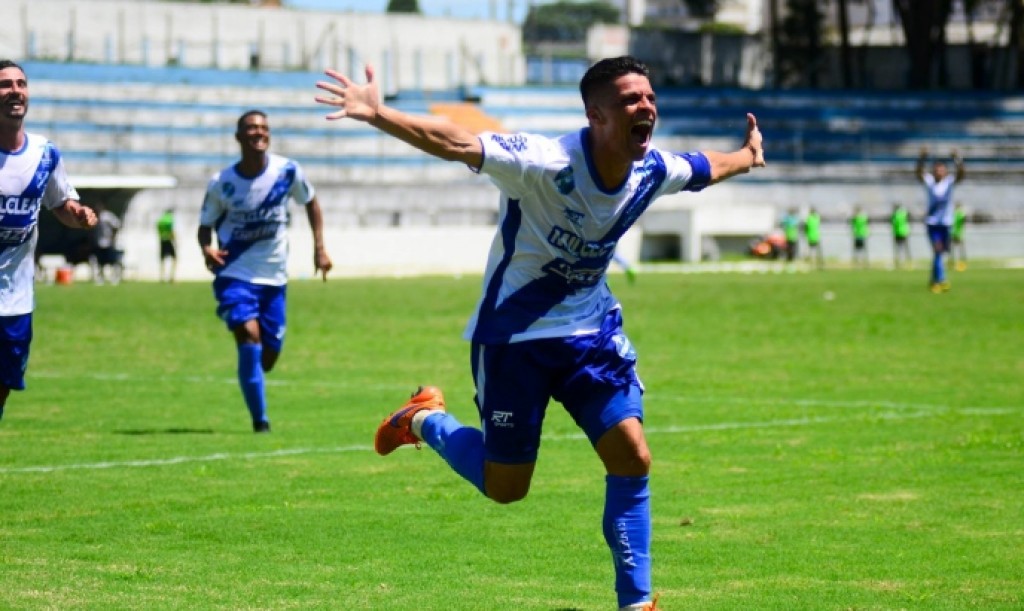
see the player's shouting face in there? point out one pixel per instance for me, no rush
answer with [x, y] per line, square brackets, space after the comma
[253, 133]
[624, 113]
[13, 94]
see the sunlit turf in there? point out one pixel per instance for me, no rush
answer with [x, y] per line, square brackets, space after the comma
[862, 451]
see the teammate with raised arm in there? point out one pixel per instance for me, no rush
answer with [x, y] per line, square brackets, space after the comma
[547, 325]
[247, 203]
[32, 176]
[938, 186]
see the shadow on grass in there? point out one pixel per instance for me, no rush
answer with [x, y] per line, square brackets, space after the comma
[168, 431]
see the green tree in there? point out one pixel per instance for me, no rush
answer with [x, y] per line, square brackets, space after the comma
[798, 46]
[403, 6]
[565, 21]
[924, 28]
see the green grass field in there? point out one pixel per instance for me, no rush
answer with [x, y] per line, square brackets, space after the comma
[863, 452]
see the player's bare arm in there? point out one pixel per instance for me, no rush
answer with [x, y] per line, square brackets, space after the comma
[751, 155]
[438, 137]
[922, 158]
[321, 260]
[214, 257]
[74, 214]
[958, 162]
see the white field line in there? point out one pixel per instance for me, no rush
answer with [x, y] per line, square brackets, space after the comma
[670, 430]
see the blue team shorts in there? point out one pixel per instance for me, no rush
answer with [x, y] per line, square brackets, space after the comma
[939, 234]
[592, 376]
[239, 301]
[15, 337]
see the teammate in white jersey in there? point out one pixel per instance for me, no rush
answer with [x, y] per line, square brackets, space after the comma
[547, 325]
[247, 204]
[938, 187]
[32, 176]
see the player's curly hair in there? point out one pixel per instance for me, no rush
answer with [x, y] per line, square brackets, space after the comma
[604, 72]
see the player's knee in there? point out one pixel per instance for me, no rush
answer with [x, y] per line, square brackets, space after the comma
[505, 494]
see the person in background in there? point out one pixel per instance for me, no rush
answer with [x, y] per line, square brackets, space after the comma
[106, 256]
[958, 249]
[859, 223]
[547, 325]
[168, 250]
[812, 231]
[247, 203]
[900, 222]
[938, 188]
[32, 177]
[791, 230]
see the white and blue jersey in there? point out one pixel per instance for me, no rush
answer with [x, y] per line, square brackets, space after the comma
[250, 216]
[557, 232]
[30, 178]
[940, 200]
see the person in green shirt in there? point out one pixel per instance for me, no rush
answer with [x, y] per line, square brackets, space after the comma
[958, 252]
[900, 221]
[812, 230]
[791, 230]
[859, 224]
[168, 253]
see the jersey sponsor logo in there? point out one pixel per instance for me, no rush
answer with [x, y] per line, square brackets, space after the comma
[261, 215]
[252, 233]
[14, 236]
[576, 246]
[565, 182]
[574, 274]
[513, 143]
[227, 189]
[14, 205]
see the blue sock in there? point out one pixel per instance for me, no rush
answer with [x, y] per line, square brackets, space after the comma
[627, 529]
[462, 447]
[250, 378]
[938, 269]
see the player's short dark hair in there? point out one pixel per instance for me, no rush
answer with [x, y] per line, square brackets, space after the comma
[604, 73]
[246, 115]
[6, 63]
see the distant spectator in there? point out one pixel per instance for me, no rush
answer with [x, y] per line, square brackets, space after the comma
[168, 251]
[900, 221]
[791, 230]
[859, 224]
[812, 230]
[938, 187]
[958, 250]
[105, 256]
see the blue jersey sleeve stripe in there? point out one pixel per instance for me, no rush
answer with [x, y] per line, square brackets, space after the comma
[701, 171]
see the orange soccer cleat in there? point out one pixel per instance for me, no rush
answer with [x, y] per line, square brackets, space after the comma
[396, 430]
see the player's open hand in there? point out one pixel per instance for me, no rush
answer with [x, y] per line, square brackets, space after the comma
[355, 101]
[754, 141]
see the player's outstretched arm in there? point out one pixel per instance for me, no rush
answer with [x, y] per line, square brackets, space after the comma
[74, 214]
[751, 155]
[438, 137]
[922, 158]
